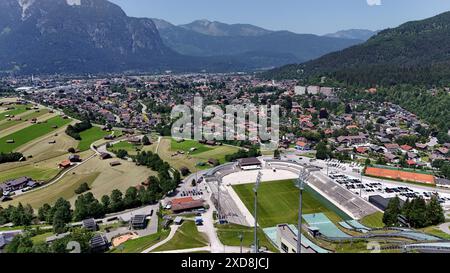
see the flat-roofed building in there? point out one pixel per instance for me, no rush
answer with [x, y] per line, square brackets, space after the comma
[139, 222]
[90, 224]
[99, 243]
[286, 239]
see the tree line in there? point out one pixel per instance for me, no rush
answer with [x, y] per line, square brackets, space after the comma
[418, 212]
[252, 152]
[10, 157]
[74, 131]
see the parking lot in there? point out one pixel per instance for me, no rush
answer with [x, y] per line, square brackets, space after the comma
[367, 188]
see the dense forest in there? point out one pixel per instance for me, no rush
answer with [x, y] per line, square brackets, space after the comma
[414, 53]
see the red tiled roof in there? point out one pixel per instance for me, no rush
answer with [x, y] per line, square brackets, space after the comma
[406, 147]
[181, 200]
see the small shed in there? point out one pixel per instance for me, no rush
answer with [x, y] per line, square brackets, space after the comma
[115, 163]
[178, 220]
[90, 224]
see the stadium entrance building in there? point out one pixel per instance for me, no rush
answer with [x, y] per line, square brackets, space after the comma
[251, 163]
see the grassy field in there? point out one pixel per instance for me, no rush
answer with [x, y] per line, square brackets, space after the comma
[278, 203]
[38, 174]
[186, 145]
[101, 177]
[437, 232]
[140, 244]
[5, 124]
[229, 235]
[125, 145]
[19, 109]
[187, 236]
[90, 136]
[41, 237]
[30, 133]
[373, 221]
[63, 189]
[43, 148]
[169, 147]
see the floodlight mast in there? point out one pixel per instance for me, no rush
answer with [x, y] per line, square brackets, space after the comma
[303, 176]
[255, 189]
[219, 210]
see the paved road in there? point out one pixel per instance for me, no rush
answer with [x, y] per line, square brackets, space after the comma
[57, 178]
[445, 228]
[173, 230]
[157, 146]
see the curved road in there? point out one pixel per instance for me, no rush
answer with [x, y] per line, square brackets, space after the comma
[445, 228]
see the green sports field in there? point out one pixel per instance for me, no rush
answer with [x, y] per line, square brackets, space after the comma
[278, 203]
[30, 133]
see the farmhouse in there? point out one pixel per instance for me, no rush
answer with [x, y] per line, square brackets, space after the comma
[251, 163]
[115, 163]
[18, 184]
[74, 158]
[213, 162]
[65, 164]
[105, 156]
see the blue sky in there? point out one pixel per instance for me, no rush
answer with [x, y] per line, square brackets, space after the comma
[301, 16]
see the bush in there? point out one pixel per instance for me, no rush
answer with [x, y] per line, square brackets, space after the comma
[82, 188]
[11, 157]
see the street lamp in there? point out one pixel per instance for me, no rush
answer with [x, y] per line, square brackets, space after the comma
[219, 180]
[255, 189]
[301, 185]
[241, 239]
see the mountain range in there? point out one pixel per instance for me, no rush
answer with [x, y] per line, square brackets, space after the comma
[91, 36]
[416, 52]
[48, 36]
[355, 34]
[272, 48]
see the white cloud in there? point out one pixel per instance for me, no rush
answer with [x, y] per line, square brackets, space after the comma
[374, 2]
[73, 2]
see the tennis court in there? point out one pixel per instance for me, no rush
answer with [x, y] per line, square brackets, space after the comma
[401, 175]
